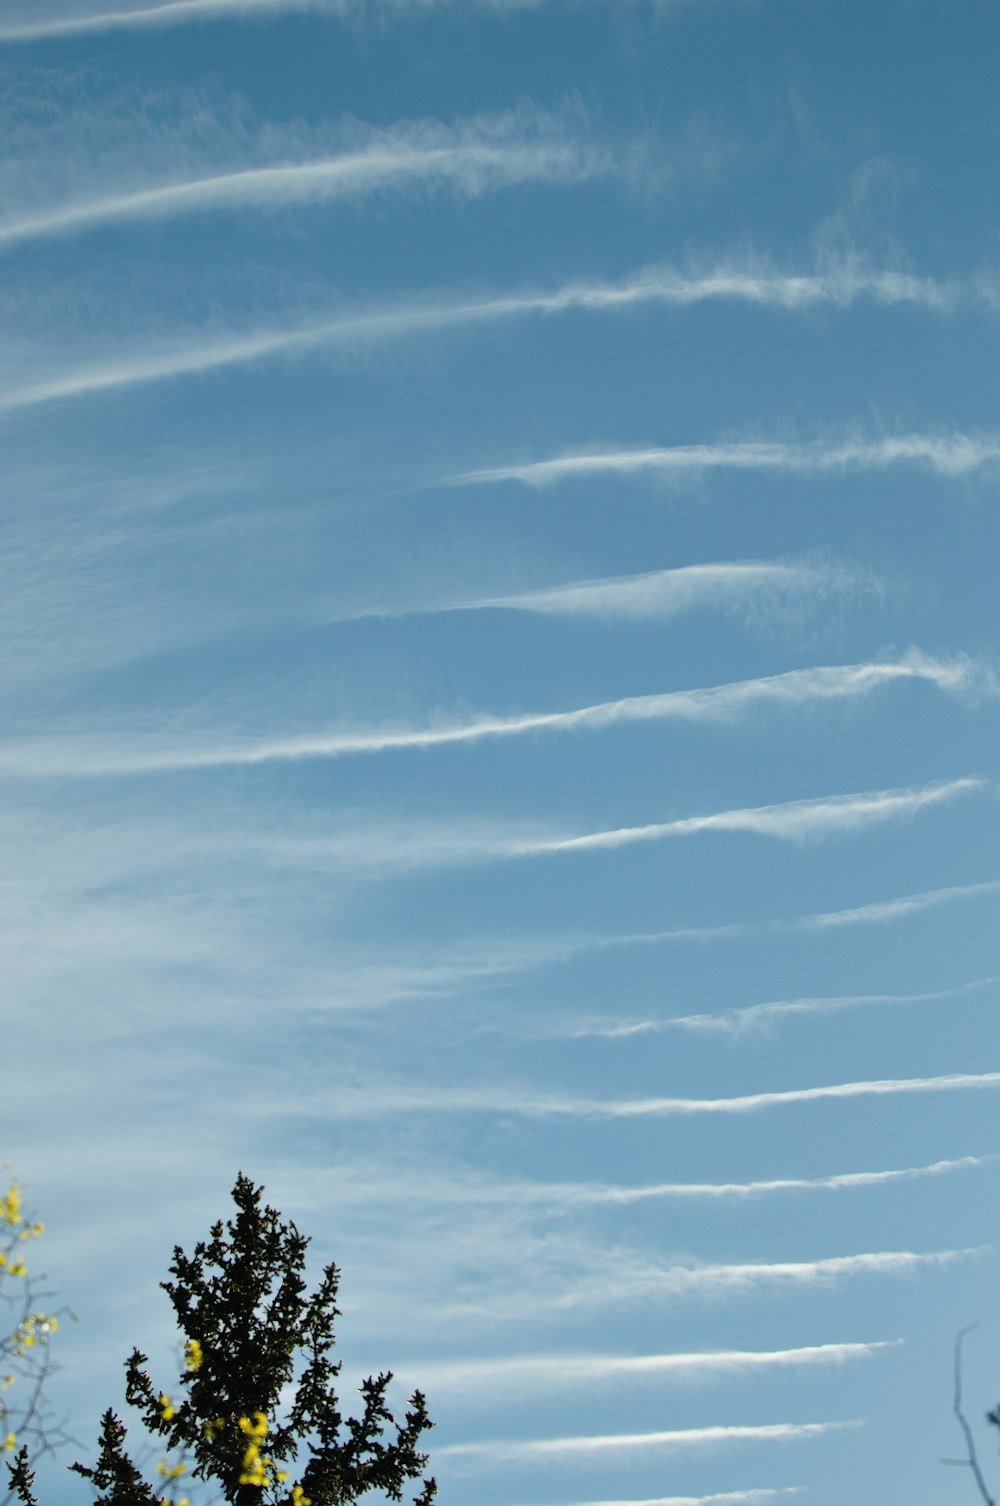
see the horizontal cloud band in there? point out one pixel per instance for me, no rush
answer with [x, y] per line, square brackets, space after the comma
[528, 1371]
[471, 157]
[947, 454]
[676, 1439]
[727, 1498]
[952, 455]
[717, 704]
[532, 1105]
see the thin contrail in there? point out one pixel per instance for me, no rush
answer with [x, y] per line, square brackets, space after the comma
[952, 455]
[794, 820]
[470, 165]
[717, 704]
[530, 1371]
[673, 1439]
[946, 454]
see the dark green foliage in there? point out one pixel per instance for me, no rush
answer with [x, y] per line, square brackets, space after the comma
[22, 1478]
[258, 1347]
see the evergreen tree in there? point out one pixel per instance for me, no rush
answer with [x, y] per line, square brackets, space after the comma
[257, 1416]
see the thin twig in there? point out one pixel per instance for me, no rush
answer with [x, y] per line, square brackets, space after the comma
[971, 1461]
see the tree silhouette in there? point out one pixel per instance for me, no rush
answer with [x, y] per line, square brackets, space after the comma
[257, 1414]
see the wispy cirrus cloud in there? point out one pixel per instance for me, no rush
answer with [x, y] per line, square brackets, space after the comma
[677, 1440]
[371, 1186]
[368, 983]
[392, 1098]
[305, 333]
[181, 12]
[674, 1440]
[763, 1017]
[368, 851]
[946, 454]
[471, 157]
[531, 1373]
[714, 705]
[727, 1498]
[587, 1194]
[654, 594]
[792, 821]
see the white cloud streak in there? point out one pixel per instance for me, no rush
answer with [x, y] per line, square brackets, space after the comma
[792, 821]
[181, 12]
[761, 1017]
[676, 1440]
[471, 158]
[585, 1193]
[396, 1098]
[946, 454]
[665, 593]
[727, 1498]
[705, 1278]
[542, 1372]
[716, 705]
[956, 454]
[371, 852]
[368, 984]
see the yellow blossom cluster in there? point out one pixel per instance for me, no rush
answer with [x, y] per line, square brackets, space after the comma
[27, 1334]
[170, 1471]
[28, 1342]
[257, 1467]
[12, 1219]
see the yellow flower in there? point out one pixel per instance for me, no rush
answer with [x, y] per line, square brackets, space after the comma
[171, 1471]
[299, 1497]
[256, 1428]
[167, 1410]
[10, 1442]
[194, 1356]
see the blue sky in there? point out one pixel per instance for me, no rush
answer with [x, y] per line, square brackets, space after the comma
[500, 708]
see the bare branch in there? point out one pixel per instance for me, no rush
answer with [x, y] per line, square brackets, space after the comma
[971, 1460]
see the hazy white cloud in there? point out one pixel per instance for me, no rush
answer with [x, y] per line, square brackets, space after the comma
[718, 704]
[364, 850]
[674, 1440]
[585, 1193]
[371, 1185]
[370, 983]
[702, 1278]
[665, 593]
[946, 454]
[793, 821]
[308, 332]
[757, 1017]
[727, 1498]
[642, 1282]
[471, 157]
[180, 12]
[391, 1098]
[530, 1373]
